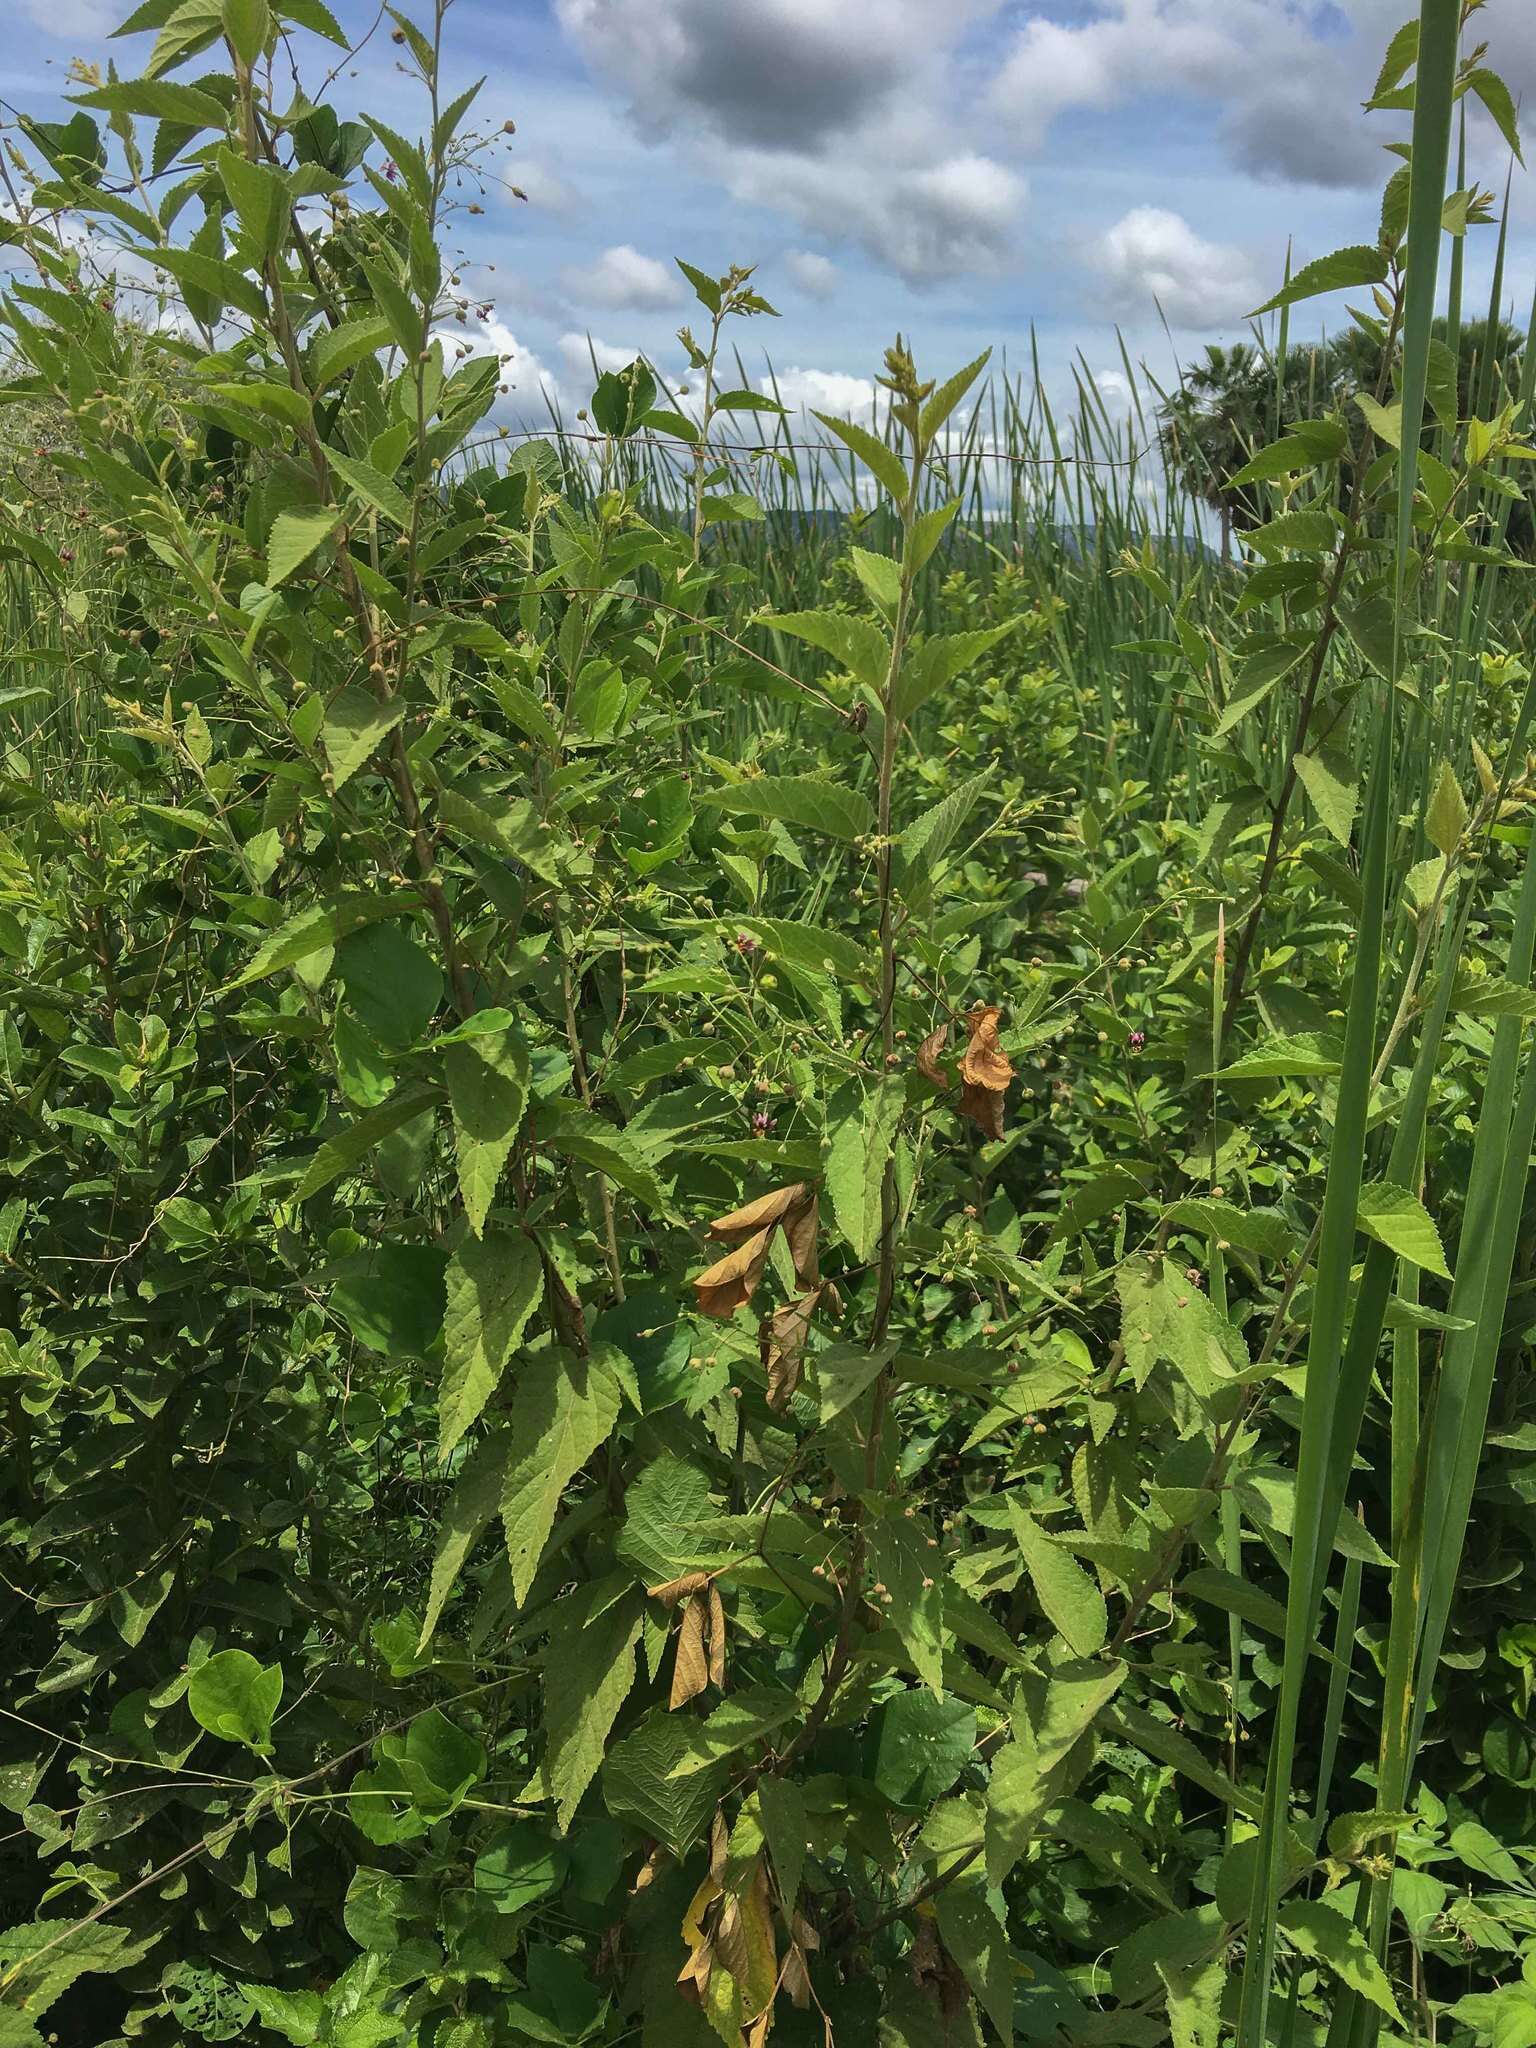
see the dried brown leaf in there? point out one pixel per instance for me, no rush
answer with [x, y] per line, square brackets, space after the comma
[716, 1637]
[732, 1281]
[679, 1589]
[781, 1340]
[985, 1071]
[984, 1064]
[928, 1057]
[983, 1107]
[801, 1225]
[690, 1672]
[797, 1976]
[762, 1214]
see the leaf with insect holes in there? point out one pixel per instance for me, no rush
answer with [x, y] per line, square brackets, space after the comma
[1398, 1219]
[494, 1284]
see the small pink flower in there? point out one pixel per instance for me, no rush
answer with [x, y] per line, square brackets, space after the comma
[390, 171]
[745, 943]
[1136, 1040]
[762, 1123]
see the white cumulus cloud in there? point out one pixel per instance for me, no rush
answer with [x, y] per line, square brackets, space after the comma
[815, 276]
[821, 391]
[624, 279]
[1153, 254]
[926, 221]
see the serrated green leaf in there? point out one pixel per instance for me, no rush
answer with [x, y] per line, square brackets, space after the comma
[589, 1669]
[494, 1284]
[356, 725]
[294, 538]
[488, 1079]
[806, 800]
[563, 1410]
[1398, 1219]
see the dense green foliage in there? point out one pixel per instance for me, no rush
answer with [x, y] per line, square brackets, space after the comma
[728, 1236]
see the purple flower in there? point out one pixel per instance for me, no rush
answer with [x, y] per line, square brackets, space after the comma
[762, 1123]
[1136, 1040]
[390, 171]
[745, 943]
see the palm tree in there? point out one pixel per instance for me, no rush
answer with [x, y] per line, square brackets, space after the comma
[1227, 407]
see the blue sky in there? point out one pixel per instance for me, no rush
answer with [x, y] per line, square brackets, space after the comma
[957, 169]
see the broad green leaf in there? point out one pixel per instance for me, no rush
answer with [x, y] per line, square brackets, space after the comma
[581, 1134]
[743, 1717]
[234, 1696]
[1305, 529]
[661, 1506]
[638, 1784]
[359, 1140]
[1327, 1936]
[855, 1165]
[563, 1410]
[906, 1574]
[1339, 272]
[260, 198]
[1303, 1054]
[494, 1284]
[488, 1080]
[294, 538]
[1328, 777]
[880, 576]
[1445, 815]
[1070, 1599]
[1399, 1220]
[933, 664]
[978, 1941]
[297, 2015]
[1133, 1724]
[589, 1668]
[919, 1743]
[1263, 1231]
[472, 1506]
[376, 490]
[881, 460]
[806, 800]
[336, 350]
[843, 1371]
[356, 725]
[939, 404]
[520, 1864]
